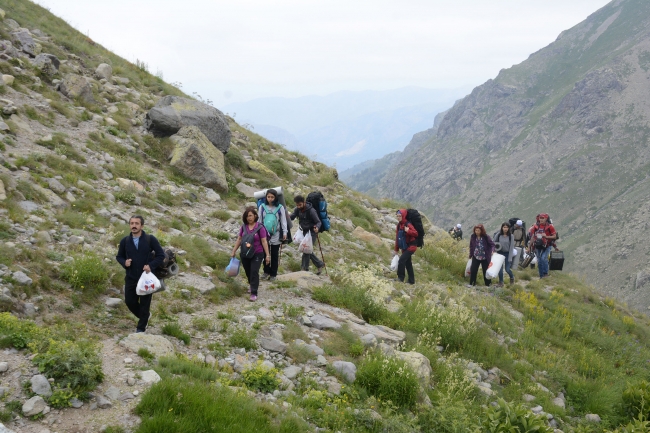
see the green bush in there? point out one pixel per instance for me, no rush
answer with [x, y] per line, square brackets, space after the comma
[127, 197]
[357, 301]
[242, 337]
[636, 400]
[60, 398]
[202, 324]
[509, 417]
[261, 378]
[88, 273]
[146, 354]
[72, 364]
[158, 148]
[359, 215]
[388, 378]
[128, 168]
[18, 333]
[174, 330]
[223, 215]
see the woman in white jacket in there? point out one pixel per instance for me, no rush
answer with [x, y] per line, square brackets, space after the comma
[274, 217]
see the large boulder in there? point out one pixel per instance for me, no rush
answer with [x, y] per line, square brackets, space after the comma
[48, 64]
[156, 344]
[171, 113]
[419, 363]
[105, 71]
[198, 159]
[23, 39]
[75, 86]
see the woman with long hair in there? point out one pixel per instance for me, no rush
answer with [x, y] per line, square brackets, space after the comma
[481, 248]
[274, 217]
[259, 246]
[506, 240]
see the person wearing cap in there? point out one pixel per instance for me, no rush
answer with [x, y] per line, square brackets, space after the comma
[542, 235]
[456, 232]
[274, 217]
[519, 233]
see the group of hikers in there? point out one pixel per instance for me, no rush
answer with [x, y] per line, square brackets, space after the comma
[266, 227]
[511, 239]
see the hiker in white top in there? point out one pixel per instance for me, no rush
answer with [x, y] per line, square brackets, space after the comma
[274, 217]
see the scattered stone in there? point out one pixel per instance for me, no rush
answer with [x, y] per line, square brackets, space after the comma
[29, 309]
[28, 206]
[23, 39]
[43, 236]
[592, 417]
[210, 360]
[46, 64]
[126, 396]
[273, 345]
[322, 322]
[321, 361]
[21, 279]
[559, 402]
[150, 376]
[103, 402]
[171, 113]
[292, 371]
[41, 386]
[34, 406]
[4, 366]
[76, 403]
[528, 398]
[212, 196]
[363, 235]
[129, 184]
[265, 313]
[75, 86]
[347, 369]
[113, 393]
[419, 363]
[249, 319]
[8, 79]
[542, 387]
[369, 340]
[203, 285]
[104, 71]
[76, 240]
[113, 302]
[128, 360]
[156, 344]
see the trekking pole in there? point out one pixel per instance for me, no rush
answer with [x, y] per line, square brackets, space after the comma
[322, 256]
[280, 256]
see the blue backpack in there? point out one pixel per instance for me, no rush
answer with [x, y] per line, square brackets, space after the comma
[318, 202]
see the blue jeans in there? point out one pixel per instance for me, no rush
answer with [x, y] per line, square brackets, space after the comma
[508, 271]
[542, 260]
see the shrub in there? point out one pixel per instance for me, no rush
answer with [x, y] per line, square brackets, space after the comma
[60, 398]
[174, 330]
[342, 341]
[88, 273]
[389, 379]
[261, 378]
[452, 325]
[202, 324]
[146, 354]
[242, 337]
[128, 168]
[158, 148]
[223, 215]
[636, 400]
[75, 365]
[509, 417]
[127, 197]
[18, 333]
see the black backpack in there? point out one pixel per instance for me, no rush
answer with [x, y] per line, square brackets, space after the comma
[169, 267]
[413, 216]
[247, 249]
[319, 204]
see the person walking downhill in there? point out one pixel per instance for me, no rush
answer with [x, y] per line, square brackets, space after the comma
[481, 248]
[254, 249]
[309, 222]
[134, 254]
[542, 236]
[405, 239]
[507, 242]
[274, 217]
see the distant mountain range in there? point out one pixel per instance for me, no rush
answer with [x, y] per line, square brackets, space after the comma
[565, 132]
[345, 128]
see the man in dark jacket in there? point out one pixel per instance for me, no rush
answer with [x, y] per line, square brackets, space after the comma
[134, 254]
[309, 222]
[406, 240]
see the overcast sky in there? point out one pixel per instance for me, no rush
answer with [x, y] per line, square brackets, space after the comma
[239, 50]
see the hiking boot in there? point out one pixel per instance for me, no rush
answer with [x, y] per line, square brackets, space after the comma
[498, 285]
[253, 298]
[272, 278]
[319, 270]
[512, 280]
[265, 276]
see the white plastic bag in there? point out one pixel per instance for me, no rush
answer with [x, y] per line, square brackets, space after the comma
[306, 246]
[298, 237]
[495, 266]
[394, 262]
[468, 268]
[232, 270]
[534, 262]
[147, 284]
[518, 256]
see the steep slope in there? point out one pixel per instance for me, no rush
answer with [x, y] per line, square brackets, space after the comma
[565, 132]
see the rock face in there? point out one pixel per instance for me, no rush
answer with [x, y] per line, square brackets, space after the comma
[74, 86]
[156, 344]
[198, 159]
[171, 113]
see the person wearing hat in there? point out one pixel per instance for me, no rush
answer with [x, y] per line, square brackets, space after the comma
[456, 232]
[519, 233]
[542, 235]
[274, 217]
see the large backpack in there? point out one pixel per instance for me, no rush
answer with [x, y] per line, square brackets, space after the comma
[270, 219]
[248, 241]
[319, 203]
[413, 216]
[169, 267]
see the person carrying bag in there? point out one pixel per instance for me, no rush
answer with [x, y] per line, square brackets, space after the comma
[253, 239]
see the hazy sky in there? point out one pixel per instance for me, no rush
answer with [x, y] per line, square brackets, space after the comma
[238, 50]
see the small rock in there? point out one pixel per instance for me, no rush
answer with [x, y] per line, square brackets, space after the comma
[76, 240]
[273, 345]
[559, 402]
[41, 386]
[322, 322]
[34, 406]
[321, 361]
[113, 302]
[126, 396]
[150, 376]
[76, 403]
[292, 371]
[334, 388]
[528, 398]
[128, 360]
[112, 393]
[103, 402]
[592, 417]
[104, 71]
[249, 319]
[20, 278]
[4, 366]
[537, 409]
[347, 369]
[369, 340]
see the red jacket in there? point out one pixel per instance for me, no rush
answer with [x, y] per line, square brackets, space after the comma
[411, 234]
[548, 229]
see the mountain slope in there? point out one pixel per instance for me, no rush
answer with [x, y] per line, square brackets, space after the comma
[564, 132]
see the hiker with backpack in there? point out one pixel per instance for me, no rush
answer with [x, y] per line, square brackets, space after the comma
[406, 239]
[134, 254]
[481, 248]
[309, 222]
[456, 232]
[273, 216]
[505, 245]
[542, 239]
[253, 239]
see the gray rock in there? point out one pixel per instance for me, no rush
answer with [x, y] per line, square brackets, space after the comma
[315, 349]
[112, 393]
[75, 240]
[4, 366]
[103, 402]
[150, 376]
[198, 159]
[156, 344]
[558, 402]
[537, 409]
[21, 279]
[28, 206]
[212, 196]
[642, 279]
[29, 309]
[528, 398]
[247, 190]
[4, 429]
[104, 71]
[203, 285]
[46, 65]
[75, 86]
[76, 403]
[44, 236]
[321, 360]
[34, 406]
[322, 322]
[113, 302]
[126, 396]
[249, 319]
[23, 39]
[347, 369]
[292, 371]
[171, 113]
[41, 386]
[592, 417]
[56, 186]
[273, 345]
[369, 340]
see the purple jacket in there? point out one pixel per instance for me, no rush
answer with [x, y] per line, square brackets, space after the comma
[488, 250]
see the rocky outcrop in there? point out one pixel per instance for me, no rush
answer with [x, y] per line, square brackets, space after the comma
[198, 159]
[74, 86]
[23, 39]
[171, 113]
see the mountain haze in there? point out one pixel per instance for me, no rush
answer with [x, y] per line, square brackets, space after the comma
[564, 132]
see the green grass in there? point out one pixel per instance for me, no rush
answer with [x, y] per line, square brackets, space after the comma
[242, 337]
[359, 215]
[355, 300]
[221, 214]
[174, 330]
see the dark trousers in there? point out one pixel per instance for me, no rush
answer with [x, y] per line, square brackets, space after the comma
[474, 271]
[252, 269]
[272, 268]
[405, 263]
[138, 305]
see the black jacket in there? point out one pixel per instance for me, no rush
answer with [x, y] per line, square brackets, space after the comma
[141, 256]
[307, 218]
